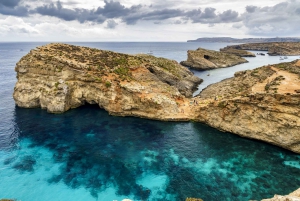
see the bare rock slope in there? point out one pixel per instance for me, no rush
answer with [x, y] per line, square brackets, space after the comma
[203, 59]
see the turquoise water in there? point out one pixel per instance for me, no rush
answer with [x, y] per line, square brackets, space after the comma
[85, 154]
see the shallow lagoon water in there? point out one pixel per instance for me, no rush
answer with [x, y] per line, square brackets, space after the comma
[85, 154]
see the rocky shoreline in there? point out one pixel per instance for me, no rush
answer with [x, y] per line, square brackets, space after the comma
[203, 59]
[273, 48]
[260, 104]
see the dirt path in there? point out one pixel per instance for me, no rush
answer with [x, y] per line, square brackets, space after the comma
[290, 83]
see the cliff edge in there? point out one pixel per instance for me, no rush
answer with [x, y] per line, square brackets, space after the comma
[58, 77]
[203, 59]
[261, 104]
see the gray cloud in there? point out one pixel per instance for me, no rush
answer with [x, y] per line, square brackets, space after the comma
[81, 15]
[131, 15]
[12, 7]
[209, 16]
[258, 20]
[111, 24]
[282, 19]
[250, 9]
[113, 10]
[57, 10]
[9, 3]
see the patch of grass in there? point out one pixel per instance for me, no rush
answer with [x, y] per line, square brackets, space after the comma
[222, 104]
[56, 85]
[123, 72]
[108, 84]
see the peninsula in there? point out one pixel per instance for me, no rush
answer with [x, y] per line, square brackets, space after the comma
[261, 104]
[273, 49]
[203, 59]
[245, 40]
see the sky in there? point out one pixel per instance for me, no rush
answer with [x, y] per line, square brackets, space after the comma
[151, 20]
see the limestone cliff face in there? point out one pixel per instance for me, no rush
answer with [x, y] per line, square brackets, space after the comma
[58, 77]
[202, 59]
[270, 118]
[273, 48]
[262, 104]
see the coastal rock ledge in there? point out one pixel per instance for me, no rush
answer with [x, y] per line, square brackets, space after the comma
[261, 104]
[203, 59]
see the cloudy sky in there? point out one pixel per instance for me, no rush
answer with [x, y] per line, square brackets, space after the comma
[151, 20]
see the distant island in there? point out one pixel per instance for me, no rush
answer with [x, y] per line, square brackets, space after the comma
[245, 40]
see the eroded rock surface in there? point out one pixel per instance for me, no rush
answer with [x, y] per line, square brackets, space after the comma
[203, 59]
[262, 104]
[59, 77]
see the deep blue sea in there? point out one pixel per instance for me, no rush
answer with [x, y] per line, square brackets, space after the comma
[87, 155]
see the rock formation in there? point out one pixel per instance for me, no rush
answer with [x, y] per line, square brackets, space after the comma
[58, 77]
[274, 49]
[237, 52]
[294, 196]
[262, 104]
[245, 40]
[202, 59]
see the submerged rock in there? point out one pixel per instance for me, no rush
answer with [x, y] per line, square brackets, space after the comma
[203, 59]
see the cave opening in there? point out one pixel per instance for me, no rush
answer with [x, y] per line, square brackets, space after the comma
[206, 57]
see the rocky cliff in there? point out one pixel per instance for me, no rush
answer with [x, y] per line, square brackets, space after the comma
[262, 104]
[203, 59]
[274, 49]
[58, 77]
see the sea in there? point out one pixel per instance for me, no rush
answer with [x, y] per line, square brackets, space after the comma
[87, 155]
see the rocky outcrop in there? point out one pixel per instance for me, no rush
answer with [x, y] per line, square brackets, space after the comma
[237, 52]
[58, 77]
[273, 49]
[202, 59]
[294, 196]
[260, 104]
[245, 40]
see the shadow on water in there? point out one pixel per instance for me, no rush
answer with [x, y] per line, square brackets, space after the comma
[98, 151]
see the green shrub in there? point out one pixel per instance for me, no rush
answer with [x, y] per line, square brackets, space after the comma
[107, 84]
